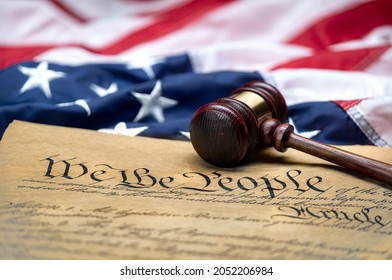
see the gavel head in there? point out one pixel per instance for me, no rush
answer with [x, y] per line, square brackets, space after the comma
[224, 131]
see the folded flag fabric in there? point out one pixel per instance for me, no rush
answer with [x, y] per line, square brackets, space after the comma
[144, 67]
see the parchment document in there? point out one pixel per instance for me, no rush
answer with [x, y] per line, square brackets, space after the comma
[74, 194]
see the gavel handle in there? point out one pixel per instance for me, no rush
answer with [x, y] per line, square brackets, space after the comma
[284, 138]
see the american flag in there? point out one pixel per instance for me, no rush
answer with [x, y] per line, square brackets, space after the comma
[143, 67]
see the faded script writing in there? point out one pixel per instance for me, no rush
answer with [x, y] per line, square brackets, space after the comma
[92, 202]
[110, 232]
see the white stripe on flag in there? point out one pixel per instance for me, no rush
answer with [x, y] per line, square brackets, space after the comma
[373, 116]
[306, 85]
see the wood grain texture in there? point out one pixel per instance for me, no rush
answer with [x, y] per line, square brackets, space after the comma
[369, 167]
[224, 131]
[283, 138]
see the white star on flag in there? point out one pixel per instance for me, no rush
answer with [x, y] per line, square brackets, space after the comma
[186, 134]
[145, 63]
[80, 102]
[153, 103]
[121, 129]
[306, 134]
[39, 77]
[102, 92]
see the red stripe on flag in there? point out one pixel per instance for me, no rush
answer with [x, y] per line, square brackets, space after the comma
[12, 55]
[347, 104]
[352, 60]
[348, 25]
[166, 22]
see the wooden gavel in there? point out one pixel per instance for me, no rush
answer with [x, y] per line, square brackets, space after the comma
[224, 131]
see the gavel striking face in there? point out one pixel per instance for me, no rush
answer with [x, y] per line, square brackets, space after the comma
[225, 131]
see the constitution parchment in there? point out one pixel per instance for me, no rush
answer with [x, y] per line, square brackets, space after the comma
[74, 194]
